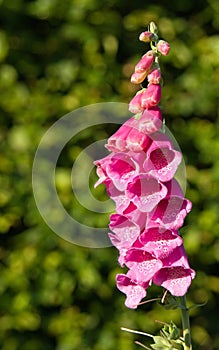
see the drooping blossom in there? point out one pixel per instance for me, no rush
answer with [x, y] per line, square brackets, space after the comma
[139, 175]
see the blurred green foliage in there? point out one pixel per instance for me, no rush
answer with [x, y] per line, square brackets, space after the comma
[56, 56]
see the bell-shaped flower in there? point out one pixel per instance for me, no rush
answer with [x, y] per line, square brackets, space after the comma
[175, 279]
[145, 63]
[135, 105]
[162, 159]
[119, 197]
[176, 274]
[125, 231]
[133, 135]
[159, 241]
[171, 212]
[135, 292]
[150, 120]
[151, 96]
[142, 265]
[119, 168]
[154, 77]
[146, 192]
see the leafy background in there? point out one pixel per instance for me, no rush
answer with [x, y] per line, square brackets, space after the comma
[55, 295]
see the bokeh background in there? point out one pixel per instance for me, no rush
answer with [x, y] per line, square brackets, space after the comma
[57, 56]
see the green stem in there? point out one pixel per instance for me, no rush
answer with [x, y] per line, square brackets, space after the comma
[185, 324]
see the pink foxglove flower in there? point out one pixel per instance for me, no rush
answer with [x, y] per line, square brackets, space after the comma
[175, 279]
[146, 192]
[125, 231]
[171, 212]
[133, 135]
[142, 265]
[162, 159]
[154, 77]
[150, 204]
[145, 63]
[135, 292]
[151, 96]
[159, 241]
[135, 105]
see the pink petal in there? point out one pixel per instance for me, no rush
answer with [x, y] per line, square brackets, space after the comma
[135, 103]
[151, 96]
[119, 197]
[145, 63]
[134, 292]
[129, 137]
[175, 279]
[145, 191]
[120, 170]
[159, 241]
[151, 120]
[162, 159]
[142, 264]
[171, 212]
[177, 257]
[126, 231]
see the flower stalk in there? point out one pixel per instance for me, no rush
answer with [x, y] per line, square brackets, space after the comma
[185, 323]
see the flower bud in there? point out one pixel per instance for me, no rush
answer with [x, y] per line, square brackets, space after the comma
[151, 96]
[138, 78]
[154, 77]
[153, 27]
[146, 37]
[145, 63]
[135, 104]
[163, 47]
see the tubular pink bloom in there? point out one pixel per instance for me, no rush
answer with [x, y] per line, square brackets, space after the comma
[131, 212]
[134, 292]
[171, 212]
[151, 120]
[138, 78]
[125, 231]
[177, 257]
[135, 104]
[119, 197]
[150, 204]
[154, 77]
[163, 47]
[133, 134]
[146, 36]
[176, 274]
[101, 165]
[160, 241]
[175, 279]
[142, 265]
[129, 137]
[151, 96]
[174, 189]
[119, 168]
[146, 192]
[162, 159]
[145, 63]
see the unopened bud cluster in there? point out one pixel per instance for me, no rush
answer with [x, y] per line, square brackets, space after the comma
[139, 177]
